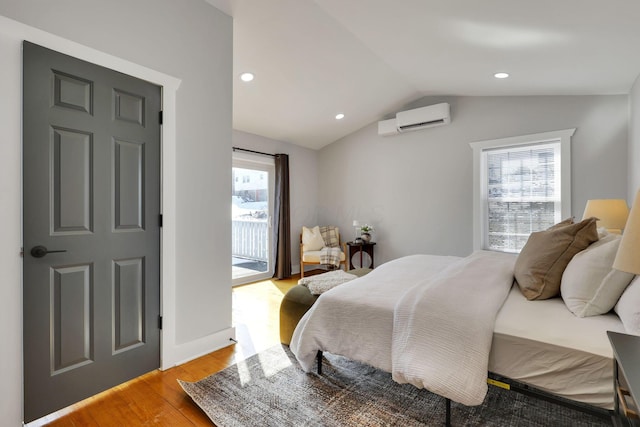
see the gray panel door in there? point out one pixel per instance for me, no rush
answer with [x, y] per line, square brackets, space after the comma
[91, 164]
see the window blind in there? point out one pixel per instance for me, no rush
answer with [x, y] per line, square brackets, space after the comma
[522, 193]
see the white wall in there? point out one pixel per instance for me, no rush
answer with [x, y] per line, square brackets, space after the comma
[634, 142]
[191, 41]
[303, 183]
[416, 188]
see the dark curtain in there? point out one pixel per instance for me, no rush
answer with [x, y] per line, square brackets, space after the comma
[282, 219]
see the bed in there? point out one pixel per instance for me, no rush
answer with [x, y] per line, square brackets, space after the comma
[540, 343]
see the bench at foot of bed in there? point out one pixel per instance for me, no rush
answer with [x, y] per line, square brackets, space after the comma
[296, 302]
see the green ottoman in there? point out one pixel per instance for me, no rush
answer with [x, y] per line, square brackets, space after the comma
[296, 302]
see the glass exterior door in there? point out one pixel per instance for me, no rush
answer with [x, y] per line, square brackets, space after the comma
[251, 207]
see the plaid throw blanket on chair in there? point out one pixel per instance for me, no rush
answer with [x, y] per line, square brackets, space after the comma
[330, 254]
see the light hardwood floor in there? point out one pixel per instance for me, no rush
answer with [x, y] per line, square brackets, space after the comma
[156, 398]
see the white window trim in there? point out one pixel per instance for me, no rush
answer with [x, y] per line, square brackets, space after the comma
[480, 219]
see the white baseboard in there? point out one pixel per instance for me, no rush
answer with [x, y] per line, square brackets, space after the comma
[182, 353]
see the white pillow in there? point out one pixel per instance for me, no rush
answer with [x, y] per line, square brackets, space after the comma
[602, 232]
[312, 239]
[628, 307]
[590, 286]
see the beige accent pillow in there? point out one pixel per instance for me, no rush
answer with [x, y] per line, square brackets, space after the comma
[312, 239]
[540, 264]
[590, 286]
[563, 223]
[628, 307]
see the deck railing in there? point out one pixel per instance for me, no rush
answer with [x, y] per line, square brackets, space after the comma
[250, 239]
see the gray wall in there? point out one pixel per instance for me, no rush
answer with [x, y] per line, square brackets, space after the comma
[634, 142]
[187, 39]
[303, 185]
[416, 188]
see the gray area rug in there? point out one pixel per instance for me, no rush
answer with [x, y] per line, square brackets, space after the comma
[270, 389]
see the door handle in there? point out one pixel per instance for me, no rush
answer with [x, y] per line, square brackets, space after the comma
[40, 251]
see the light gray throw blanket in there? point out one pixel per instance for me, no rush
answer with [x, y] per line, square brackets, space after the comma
[443, 328]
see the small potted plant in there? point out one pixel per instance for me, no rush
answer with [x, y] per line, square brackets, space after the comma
[365, 233]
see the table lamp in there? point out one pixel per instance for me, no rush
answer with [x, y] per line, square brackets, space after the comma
[611, 213]
[628, 256]
[356, 225]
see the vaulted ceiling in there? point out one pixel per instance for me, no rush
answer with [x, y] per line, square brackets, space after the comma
[313, 59]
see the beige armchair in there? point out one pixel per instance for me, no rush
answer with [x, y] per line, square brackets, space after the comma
[314, 240]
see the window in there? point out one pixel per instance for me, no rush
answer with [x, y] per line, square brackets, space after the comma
[521, 185]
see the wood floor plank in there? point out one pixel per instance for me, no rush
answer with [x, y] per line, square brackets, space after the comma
[156, 398]
[165, 384]
[112, 409]
[148, 405]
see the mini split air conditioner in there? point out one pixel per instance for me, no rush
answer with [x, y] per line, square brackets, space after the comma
[416, 119]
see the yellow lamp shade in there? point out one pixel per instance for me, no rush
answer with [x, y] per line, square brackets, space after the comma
[628, 256]
[611, 213]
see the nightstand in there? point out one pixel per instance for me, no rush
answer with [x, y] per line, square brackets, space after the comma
[626, 377]
[360, 255]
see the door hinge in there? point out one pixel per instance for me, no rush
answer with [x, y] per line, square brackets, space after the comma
[160, 322]
[22, 252]
[160, 220]
[160, 117]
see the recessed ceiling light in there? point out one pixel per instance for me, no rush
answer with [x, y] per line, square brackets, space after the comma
[501, 75]
[339, 116]
[246, 77]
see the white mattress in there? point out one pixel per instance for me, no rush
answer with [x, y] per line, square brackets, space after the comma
[543, 344]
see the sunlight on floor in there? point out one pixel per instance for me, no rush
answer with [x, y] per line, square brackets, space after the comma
[256, 309]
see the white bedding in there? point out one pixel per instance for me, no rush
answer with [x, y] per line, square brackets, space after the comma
[537, 342]
[443, 327]
[356, 319]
